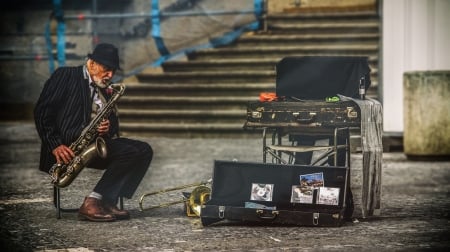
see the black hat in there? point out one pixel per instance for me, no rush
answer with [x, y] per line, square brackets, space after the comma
[106, 54]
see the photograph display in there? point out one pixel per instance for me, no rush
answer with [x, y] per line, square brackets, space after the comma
[328, 196]
[313, 180]
[310, 189]
[308, 184]
[262, 192]
[301, 195]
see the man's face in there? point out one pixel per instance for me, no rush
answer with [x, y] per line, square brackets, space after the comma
[100, 74]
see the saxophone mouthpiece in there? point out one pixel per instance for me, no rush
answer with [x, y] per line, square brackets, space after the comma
[114, 85]
[118, 87]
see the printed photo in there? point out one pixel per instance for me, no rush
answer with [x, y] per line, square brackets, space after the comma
[261, 192]
[302, 194]
[312, 180]
[258, 206]
[328, 196]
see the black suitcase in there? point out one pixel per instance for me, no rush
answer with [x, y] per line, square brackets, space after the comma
[317, 77]
[301, 114]
[277, 194]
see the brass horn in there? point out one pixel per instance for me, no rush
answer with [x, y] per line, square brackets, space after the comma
[193, 201]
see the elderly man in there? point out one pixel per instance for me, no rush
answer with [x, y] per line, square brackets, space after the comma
[70, 99]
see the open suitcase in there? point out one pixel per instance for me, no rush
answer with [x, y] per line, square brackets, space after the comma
[270, 193]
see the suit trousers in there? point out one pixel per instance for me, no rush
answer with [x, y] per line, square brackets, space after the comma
[126, 163]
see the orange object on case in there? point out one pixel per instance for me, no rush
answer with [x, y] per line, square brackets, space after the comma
[267, 97]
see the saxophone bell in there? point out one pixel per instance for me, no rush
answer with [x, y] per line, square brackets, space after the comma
[63, 175]
[100, 146]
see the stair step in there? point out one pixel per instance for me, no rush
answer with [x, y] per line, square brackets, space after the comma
[324, 18]
[183, 126]
[220, 65]
[349, 15]
[280, 52]
[181, 113]
[185, 102]
[304, 39]
[186, 129]
[208, 77]
[320, 27]
[183, 116]
[334, 24]
[308, 48]
[231, 64]
[184, 99]
[198, 89]
[149, 87]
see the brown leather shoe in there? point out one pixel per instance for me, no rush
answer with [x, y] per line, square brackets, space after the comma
[116, 212]
[92, 209]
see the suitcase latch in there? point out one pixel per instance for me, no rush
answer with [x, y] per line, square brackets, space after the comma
[221, 212]
[256, 114]
[352, 113]
[315, 219]
[304, 117]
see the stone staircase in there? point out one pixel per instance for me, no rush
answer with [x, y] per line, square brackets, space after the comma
[206, 93]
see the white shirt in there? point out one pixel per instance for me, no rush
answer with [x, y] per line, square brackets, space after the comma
[96, 99]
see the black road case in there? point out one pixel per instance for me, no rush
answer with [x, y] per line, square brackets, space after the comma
[316, 77]
[277, 194]
[303, 114]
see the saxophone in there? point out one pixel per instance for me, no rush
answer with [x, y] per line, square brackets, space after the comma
[88, 145]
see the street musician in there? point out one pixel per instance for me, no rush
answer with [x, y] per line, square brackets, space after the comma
[70, 101]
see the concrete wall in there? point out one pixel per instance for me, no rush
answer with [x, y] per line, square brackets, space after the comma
[24, 64]
[24, 60]
[416, 37]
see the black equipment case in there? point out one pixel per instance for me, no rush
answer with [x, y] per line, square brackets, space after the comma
[270, 193]
[317, 77]
[301, 114]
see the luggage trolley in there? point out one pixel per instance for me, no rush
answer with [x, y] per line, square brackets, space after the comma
[338, 146]
[292, 127]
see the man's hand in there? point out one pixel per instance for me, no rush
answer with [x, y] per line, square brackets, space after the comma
[103, 128]
[63, 154]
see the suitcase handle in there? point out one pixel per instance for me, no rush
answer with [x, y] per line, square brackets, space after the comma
[272, 216]
[310, 119]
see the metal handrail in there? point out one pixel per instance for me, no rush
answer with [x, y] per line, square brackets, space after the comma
[162, 14]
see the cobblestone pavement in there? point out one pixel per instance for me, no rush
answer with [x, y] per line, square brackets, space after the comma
[414, 216]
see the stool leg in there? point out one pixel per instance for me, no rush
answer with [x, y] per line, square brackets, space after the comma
[121, 202]
[57, 202]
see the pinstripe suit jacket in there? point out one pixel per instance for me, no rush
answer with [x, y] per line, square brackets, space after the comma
[63, 110]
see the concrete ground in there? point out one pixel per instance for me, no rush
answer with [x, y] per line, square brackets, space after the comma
[414, 216]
